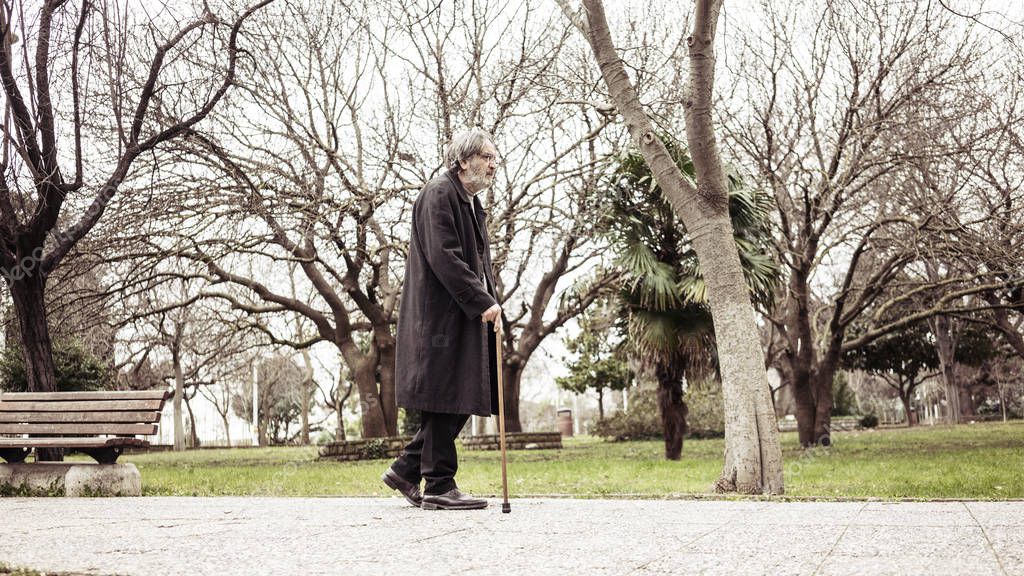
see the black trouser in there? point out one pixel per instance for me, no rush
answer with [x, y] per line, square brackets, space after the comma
[431, 454]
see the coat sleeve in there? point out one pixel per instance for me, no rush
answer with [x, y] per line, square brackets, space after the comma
[439, 240]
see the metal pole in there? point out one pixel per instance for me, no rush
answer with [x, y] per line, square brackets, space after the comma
[255, 405]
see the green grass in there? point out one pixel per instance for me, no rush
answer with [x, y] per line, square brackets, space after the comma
[6, 570]
[983, 461]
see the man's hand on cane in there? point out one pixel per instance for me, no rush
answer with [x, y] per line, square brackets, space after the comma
[492, 314]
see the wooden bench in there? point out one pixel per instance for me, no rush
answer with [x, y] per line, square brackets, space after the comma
[100, 424]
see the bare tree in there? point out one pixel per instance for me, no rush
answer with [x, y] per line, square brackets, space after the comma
[858, 121]
[314, 233]
[45, 58]
[753, 458]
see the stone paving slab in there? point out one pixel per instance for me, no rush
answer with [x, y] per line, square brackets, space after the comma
[279, 536]
[996, 514]
[838, 565]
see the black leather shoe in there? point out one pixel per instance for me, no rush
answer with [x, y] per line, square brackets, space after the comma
[452, 500]
[406, 488]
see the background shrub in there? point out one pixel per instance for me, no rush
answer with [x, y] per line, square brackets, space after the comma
[869, 421]
[707, 416]
[643, 421]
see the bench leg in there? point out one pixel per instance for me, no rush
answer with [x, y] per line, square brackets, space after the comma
[14, 455]
[106, 455]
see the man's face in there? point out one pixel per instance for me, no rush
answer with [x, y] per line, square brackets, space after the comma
[478, 170]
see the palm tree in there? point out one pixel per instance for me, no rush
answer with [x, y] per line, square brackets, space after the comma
[663, 295]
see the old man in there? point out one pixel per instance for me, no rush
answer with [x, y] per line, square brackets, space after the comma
[446, 367]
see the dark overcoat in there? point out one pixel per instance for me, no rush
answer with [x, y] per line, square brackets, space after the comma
[445, 355]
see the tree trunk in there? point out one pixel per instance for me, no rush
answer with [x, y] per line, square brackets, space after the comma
[810, 375]
[263, 426]
[227, 427]
[179, 392]
[27, 292]
[673, 411]
[812, 392]
[386, 367]
[339, 406]
[600, 403]
[952, 392]
[966, 403]
[339, 435]
[307, 389]
[822, 389]
[780, 411]
[805, 410]
[512, 376]
[945, 346]
[1002, 399]
[373, 424]
[193, 435]
[905, 398]
[753, 457]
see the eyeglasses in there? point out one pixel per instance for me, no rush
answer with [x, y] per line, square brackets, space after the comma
[491, 158]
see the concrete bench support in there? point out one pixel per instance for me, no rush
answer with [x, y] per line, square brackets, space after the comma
[70, 479]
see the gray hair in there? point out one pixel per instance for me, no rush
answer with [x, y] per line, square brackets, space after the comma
[464, 145]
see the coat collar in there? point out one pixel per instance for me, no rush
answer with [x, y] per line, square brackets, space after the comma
[463, 194]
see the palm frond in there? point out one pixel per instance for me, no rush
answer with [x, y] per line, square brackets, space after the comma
[637, 260]
[664, 292]
[657, 289]
[692, 288]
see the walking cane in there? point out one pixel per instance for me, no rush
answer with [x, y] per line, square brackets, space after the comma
[505, 506]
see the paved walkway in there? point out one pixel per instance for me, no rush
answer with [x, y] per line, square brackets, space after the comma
[280, 536]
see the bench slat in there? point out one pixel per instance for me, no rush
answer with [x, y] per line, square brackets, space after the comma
[70, 442]
[137, 417]
[84, 396]
[77, 428]
[79, 406]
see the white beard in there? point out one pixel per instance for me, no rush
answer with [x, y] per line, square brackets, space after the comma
[479, 180]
